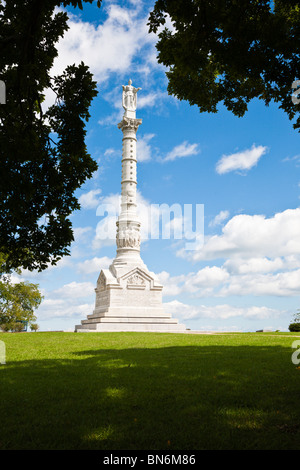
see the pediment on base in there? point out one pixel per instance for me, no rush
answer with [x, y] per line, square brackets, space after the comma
[139, 278]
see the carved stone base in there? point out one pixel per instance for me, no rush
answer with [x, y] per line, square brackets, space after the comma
[131, 301]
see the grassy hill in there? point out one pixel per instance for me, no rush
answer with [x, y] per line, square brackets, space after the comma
[149, 391]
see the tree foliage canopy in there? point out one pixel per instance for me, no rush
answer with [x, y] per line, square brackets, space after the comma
[17, 300]
[43, 155]
[230, 51]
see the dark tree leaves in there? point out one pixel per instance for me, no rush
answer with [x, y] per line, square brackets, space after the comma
[43, 156]
[230, 51]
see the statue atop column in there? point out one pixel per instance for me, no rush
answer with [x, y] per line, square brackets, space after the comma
[129, 99]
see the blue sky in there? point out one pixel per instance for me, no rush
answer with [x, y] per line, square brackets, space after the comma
[244, 171]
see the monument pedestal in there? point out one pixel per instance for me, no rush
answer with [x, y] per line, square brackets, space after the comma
[128, 295]
[131, 302]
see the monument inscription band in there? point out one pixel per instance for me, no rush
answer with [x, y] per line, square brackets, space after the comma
[128, 295]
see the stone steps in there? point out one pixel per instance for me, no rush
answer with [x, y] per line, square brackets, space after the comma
[130, 326]
[129, 320]
[132, 312]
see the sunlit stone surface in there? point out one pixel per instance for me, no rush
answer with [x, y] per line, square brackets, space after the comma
[128, 295]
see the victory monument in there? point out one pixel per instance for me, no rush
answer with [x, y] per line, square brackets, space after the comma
[128, 295]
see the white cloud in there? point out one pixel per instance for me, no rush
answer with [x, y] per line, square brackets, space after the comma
[64, 309]
[222, 312]
[90, 200]
[112, 119]
[253, 236]
[223, 215]
[200, 284]
[143, 149]
[75, 299]
[183, 150]
[35, 276]
[261, 257]
[206, 277]
[241, 160]
[284, 284]
[109, 152]
[108, 209]
[75, 290]
[94, 265]
[295, 158]
[254, 265]
[151, 100]
[171, 285]
[223, 282]
[81, 232]
[108, 47]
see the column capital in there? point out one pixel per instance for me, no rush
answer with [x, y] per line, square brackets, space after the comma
[129, 123]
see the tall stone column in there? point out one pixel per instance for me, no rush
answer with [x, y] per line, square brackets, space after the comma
[128, 225]
[128, 236]
[128, 295]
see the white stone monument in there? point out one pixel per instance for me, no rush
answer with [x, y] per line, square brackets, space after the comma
[128, 295]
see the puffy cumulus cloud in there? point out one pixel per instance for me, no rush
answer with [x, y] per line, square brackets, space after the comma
[143, 148]
[244, 160]
[181, 310]
[119, 41]
[80, 233]
[261, 257]
[75, 290]
[253, 236]
[255, 265]
[108, 47]
[218, 282]
[51, 308]
[90, 200]
[171, 285]
[205, 281]
[94, 265]
[267, 284]
[223, 311]
[75, 299]
[152, 99]
[200, 283]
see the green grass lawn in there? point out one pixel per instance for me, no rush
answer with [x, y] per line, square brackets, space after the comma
[136, 391]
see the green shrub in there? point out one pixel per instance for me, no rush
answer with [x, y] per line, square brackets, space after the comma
[6, 327]
[17, 326]
[34, 327]
[294, 326]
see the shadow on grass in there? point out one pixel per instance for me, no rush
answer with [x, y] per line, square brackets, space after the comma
[181, 397]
